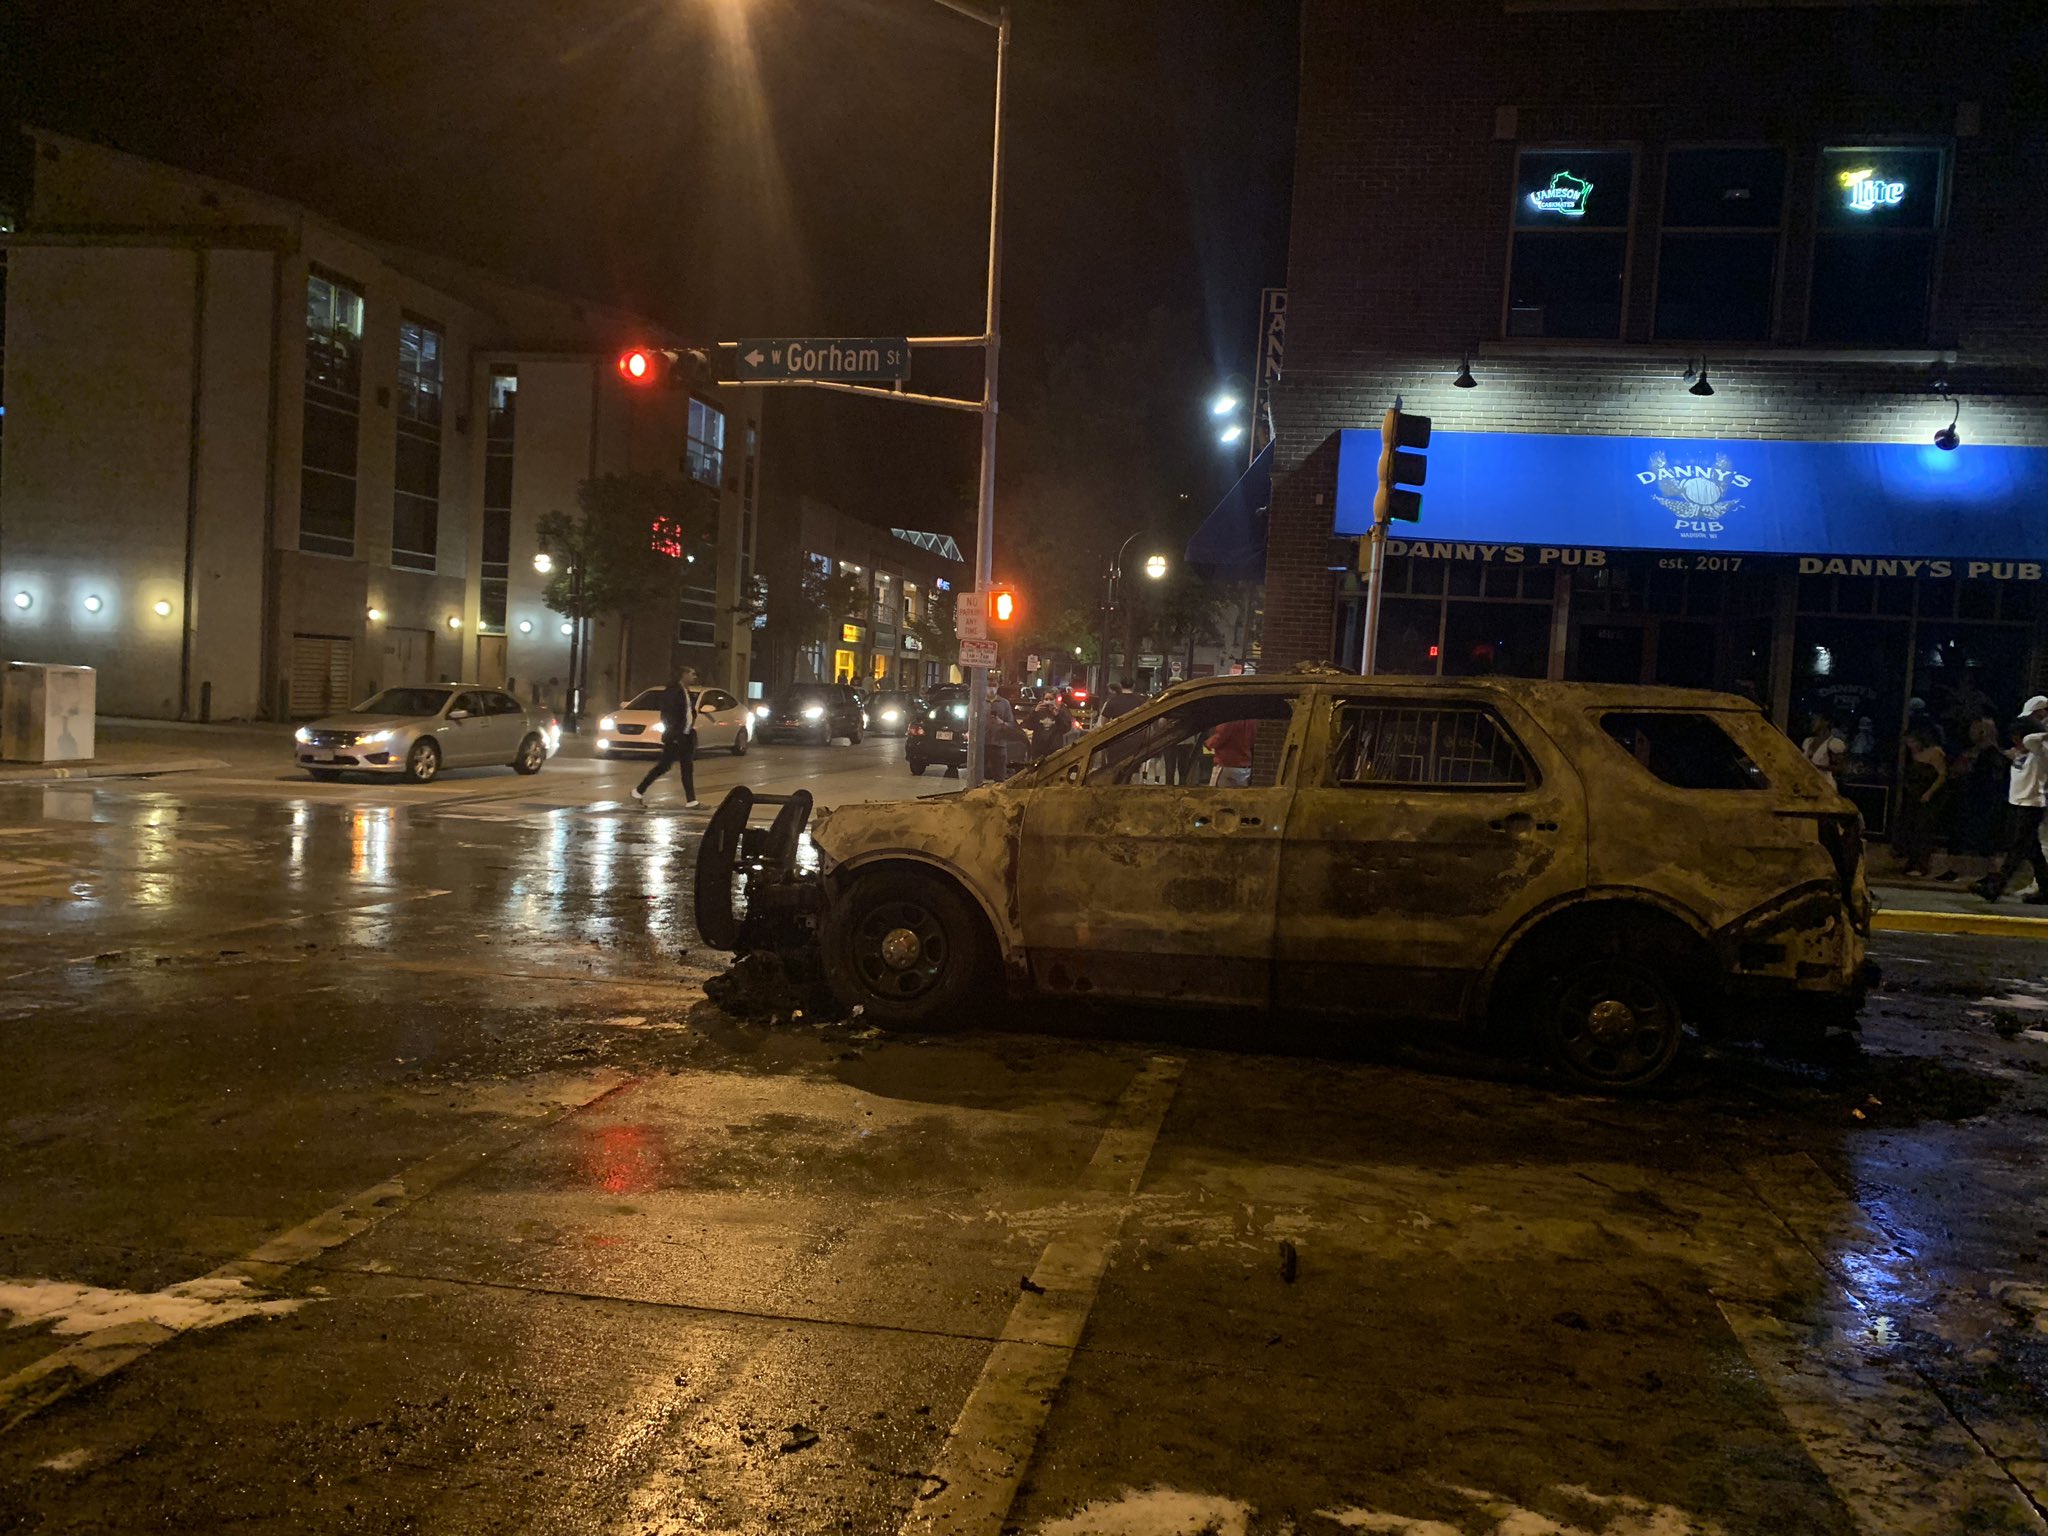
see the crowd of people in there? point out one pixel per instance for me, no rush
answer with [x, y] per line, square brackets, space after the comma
[1971, 793]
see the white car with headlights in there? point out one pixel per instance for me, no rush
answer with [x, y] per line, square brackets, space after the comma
[635, 726]
[415, 732]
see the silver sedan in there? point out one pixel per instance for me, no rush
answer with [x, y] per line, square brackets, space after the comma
[415, 732]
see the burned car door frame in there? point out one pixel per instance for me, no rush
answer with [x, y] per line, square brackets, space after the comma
[1142, 889]
[1428, 826]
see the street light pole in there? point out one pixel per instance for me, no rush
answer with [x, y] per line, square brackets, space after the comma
[991, 348]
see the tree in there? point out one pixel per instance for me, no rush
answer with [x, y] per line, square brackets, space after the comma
[937, 638]
[627, 543]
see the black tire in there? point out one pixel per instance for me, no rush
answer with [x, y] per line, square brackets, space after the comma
[1610, 1021]
[741, 742]
[907, 949]
[533, 755]
[918, 766]
[853, 737]
[423, 762]
[325, 775]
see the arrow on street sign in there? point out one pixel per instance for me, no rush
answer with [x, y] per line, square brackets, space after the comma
[838, 360]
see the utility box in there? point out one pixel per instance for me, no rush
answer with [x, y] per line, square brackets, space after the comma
[46, 713]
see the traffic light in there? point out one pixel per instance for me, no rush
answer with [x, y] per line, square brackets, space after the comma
[1003, 610]
[1402, 466]
[663, 367]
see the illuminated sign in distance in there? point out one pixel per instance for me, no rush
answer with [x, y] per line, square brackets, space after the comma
[1865, 190]
[1566, 195]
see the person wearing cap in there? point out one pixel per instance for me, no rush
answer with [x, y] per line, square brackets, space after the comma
[2027, 792]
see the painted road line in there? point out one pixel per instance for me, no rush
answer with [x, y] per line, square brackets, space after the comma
[100, 1353]
[974, 1481]
[1897, 1455]
[1983, 924]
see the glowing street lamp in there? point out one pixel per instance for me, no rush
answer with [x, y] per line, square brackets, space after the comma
[1234, 433]
[1155, 566]
[543, 562]
[1223, 404]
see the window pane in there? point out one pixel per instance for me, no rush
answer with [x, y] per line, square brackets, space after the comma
[1408, 628]
[1689, 751]
[1716, 287]
[1567, 285]
[1573, 189]
[1871, 290]
[1499, 639]
[1724, 189]
[1880, 189]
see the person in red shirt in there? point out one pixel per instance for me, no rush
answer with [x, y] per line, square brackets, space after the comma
[1231, 742]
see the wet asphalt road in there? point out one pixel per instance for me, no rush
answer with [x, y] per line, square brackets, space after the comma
[373, 1163]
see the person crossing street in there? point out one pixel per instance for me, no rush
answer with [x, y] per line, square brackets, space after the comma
[678, 708]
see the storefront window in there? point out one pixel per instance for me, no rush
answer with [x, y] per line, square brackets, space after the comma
[1873, 250]
[1570, 252]
[1717, 257]
[845, 666]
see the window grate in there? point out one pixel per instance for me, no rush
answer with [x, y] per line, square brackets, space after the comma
[1428, 746]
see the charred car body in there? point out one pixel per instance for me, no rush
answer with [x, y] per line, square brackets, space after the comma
[1600, 865]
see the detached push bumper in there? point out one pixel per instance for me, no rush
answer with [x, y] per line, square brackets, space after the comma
[751, 892]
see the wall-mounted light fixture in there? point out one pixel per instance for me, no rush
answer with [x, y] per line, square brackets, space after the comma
[568, 628]
[1464, 380]
[161, 608]
[1948, 439]
[23, 600]
[1700, 386]
[93, 604]
[375, 615]
[526, 626]
[543, 562]
[455, 621]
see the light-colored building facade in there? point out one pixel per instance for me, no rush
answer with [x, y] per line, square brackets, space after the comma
[256, 466]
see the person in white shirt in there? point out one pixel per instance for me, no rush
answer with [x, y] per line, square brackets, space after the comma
[2027, 793]
[1825, 748]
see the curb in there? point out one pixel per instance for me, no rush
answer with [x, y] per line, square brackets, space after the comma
[1984, 924]
[45, 773]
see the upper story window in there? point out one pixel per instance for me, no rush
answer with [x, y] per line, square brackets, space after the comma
[1568, 266]
[704, 457]
[1717, 255]
[419, 373]
[885, 598]
[334, 337]
[1873, 246]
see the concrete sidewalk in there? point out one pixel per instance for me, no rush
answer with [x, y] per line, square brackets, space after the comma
[124, 748]
[1929, 906]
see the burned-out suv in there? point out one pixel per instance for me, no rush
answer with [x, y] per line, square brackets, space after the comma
[1600, 865]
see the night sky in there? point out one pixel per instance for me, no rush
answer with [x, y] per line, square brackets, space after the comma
[747, 167]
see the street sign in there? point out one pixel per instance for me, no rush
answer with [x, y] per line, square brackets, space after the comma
[1031, 662]
[977, 653]
[840, 360]
[970, 617]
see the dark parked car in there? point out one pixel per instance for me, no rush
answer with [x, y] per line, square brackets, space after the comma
[892, 714]
[810, 712]
[939, 733]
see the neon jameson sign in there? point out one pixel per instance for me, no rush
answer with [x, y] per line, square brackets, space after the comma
[1566, 194]
[1866, 190]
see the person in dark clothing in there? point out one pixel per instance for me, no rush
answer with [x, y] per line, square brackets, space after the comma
[1121, 702]
[1918, 821]
[678, 708]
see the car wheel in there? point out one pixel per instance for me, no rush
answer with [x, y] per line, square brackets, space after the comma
[1610, 1022]
[907, 949]
[533, 753]
[325, 775]
[741, 742]
[918, 766]
[422, 763]
[853, 737]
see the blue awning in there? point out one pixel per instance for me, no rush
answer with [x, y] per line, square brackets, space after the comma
[1895, 501]
[1231, 543]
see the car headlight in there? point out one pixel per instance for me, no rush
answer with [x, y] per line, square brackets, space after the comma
[303, 737]
[814, 712]
[608, 723]
[374, 737]
[761, 711]
[660, 727]
[891, 716]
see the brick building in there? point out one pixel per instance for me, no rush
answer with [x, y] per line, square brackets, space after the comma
[259, 466]
[1834, 207]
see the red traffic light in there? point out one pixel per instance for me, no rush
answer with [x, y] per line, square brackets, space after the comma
[637, 366]
[1003, 607]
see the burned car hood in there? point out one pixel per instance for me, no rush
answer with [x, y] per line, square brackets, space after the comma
[973, 831]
